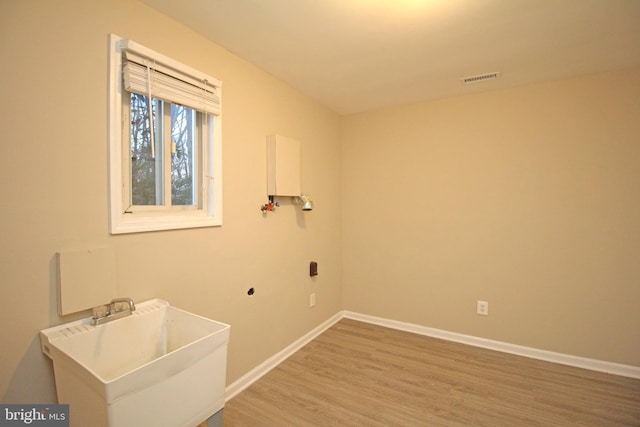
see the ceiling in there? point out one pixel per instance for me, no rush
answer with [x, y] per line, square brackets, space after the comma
[359, 55]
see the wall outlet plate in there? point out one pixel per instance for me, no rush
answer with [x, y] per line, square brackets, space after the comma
[482, 308]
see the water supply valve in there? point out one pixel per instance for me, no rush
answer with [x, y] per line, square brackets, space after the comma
[270, 206]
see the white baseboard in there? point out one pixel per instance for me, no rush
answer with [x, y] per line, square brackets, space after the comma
[533, 353]
[566, 359]
[262, 369]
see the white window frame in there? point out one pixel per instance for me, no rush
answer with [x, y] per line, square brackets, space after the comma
[122, 220]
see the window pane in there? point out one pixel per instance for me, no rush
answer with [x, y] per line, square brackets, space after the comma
[183, 171]
[146, 170]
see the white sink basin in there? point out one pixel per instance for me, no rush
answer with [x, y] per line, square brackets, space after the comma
[160, 366]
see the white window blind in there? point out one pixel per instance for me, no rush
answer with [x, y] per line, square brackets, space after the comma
[146, 71]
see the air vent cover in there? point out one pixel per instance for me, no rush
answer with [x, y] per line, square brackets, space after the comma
[480, 78]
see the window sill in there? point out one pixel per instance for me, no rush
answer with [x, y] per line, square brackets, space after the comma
[138, 222]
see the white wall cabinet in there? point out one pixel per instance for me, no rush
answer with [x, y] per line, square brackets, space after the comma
[283, 166]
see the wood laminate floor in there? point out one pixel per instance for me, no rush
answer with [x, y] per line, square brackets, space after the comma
[358, 374]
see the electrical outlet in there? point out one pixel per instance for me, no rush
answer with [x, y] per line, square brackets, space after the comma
[482, 308]
[312, 300]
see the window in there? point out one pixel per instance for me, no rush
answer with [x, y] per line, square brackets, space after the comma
[164, 141]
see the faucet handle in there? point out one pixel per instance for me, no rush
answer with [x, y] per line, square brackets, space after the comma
[100, 311]
[128, 301]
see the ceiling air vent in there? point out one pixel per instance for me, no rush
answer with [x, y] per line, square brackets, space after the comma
[480, 78]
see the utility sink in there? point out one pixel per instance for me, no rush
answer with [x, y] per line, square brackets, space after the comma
[160, 366]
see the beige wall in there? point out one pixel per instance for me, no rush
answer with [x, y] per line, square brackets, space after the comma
[528, 198]
[54, 192]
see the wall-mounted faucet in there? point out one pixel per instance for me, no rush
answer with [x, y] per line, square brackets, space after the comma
[113, 310]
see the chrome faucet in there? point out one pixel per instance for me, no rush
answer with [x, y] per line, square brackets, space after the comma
[108, 312]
